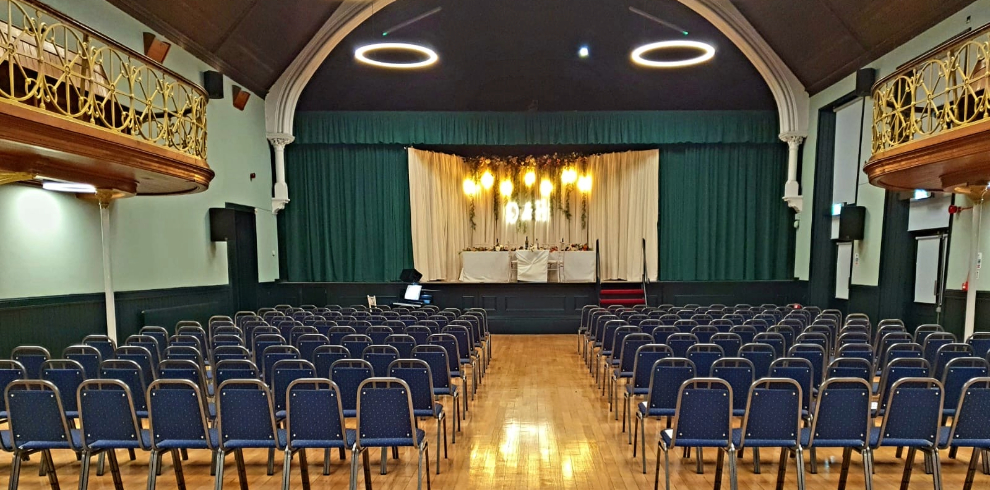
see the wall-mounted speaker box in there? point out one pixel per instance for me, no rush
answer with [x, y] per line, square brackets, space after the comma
[213, 83]
[865, 78]
[222, 226]
[851, 222]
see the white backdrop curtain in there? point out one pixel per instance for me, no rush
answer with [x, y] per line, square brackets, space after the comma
[622, 210]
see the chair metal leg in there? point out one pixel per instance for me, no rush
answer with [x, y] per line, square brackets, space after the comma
[218, 480]
[365, 461]
[152, 476]
[101, 464]
[419, 469]
[84, 470]
[813, 455]
[756, 460]
[426, 459]
[53, 475]
[971, 471]
[354, 467]
[700, 463]
[271, 462]
[286, 468]
[180, 479]
[844, 472]
[936, 469]
[185, 454]
[131, 454]
[666, 468]
[384, 469]
[158, 468]
[15, 471]
[908, 462]
[782, 467]
[439, 421]
[304, 469]
[625, 415]
[642, 442]
[868, 468]
[213, 464]
[799, 461]
[326, 462]
[986, 461]
[733, 476]
[719, 459]
[241, 473]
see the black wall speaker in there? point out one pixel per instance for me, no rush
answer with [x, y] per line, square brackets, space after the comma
[213, 83]
[865, 79]
[410, 275]
[222, 226]
[851, 222]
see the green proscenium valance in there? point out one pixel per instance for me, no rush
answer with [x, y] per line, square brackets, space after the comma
[536, 128]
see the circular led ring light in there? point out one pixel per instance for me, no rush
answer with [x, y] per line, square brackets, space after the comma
[361, 54]
[708, 52]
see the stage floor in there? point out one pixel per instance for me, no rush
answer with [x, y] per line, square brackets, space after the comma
[537, 422]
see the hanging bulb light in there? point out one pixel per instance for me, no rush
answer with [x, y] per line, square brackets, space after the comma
[568, 176]
[530, 178]
[546, 187]
[487, 180]
[505, 188]
[470, 187]
[584, 184]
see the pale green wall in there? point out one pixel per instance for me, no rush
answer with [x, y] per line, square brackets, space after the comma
[157, 242]
[866, 273]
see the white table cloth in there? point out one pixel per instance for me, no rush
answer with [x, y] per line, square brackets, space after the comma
[485, 267]
[531, 266]
[579, 267]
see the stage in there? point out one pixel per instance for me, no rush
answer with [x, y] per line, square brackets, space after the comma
[526, 308]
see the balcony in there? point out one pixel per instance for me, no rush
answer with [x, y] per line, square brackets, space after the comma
[931, 120]
[77, 106]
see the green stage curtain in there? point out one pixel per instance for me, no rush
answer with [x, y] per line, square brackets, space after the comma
[721, 214]
[538, 128]
[348, 219]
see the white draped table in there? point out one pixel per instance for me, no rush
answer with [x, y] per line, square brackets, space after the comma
[530, 266]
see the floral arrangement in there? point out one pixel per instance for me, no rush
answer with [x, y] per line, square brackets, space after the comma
[574, 247]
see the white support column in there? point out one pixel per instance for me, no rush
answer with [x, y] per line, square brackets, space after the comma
[105, 198]
[792, 189]
[280, 195]
[974, 272]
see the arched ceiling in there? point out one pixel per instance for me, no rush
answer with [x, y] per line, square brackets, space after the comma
[517, 55]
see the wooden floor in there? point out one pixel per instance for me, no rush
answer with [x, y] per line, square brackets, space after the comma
[537, 422]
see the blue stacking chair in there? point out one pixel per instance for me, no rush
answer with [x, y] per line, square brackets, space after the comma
[685, 325]
[704, 333]
[66, 375]
[923, 331]
[703, 419]
[38, 424]
[853, 338]
[378, 333]
[947, 353]
[416, 373]
[186, 369]
[325, 356]
[436, 357]
[102, 343]
[723, 325]
[314, 420]
[773, 339]
[980, 341]
[107, 422]
[273, 354]
[87, 356]
[969, 425]
[704, 356]
[862, 351]
[912, 420]
[933, 343]
[235, 369]
[419, 333]
[284, 373]
[738, 372]
[842, 420]
[680, 343]
[815, 354]
[786, 332]
[746, 333]
[956, 376]
[773, 419]
[10, 371]
[337, 334]
[348, 374]
[356, 343]
[898, 369]
[130, 374]
[802, 372]
[31, 357]
[614, 354]
[662, 333]
[298, 331]
[380, 356]
[639, 385]
[449, 342]
[850, 367]
[761, 355]
[150, 344]
[159, 334]
[729, 342]
[177, 421]
[245, 420]
[403, 343]
[386, 419]
[308, 343]
[666, 378]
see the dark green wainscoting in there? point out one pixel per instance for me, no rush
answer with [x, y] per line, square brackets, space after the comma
[55, 322]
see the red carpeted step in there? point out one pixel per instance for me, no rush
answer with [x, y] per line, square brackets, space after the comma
[621, 301]
[622, 292]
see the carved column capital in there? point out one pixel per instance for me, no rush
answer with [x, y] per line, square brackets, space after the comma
[793, 140]
[280, 140]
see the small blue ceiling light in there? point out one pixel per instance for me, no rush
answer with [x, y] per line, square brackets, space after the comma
[584, 52]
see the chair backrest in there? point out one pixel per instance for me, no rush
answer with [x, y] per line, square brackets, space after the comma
[87, 356]
[773, 339]
[448, 342]
[404, 343]
[685, 326]
[379, 333]
[746, 333]
[980, 341]
[729, 342]
[10, 371]
[680, 342]
[738, 372]
[307, 344]
[957, 374]
[969, 424]
[106, 415]
[662, 332]
[897, 370]
[704, 414]
[761, 355]
[264, 341]
[36, 415]
[463, 336]
[626, 353]
[225, 352]
[914, 413]
[31, 357]
[666, 378]
[801, 371]
[934, 342]
[177, 412]
[787, 332]
[416, 374]
[947, 353]
[286, 371]
[245, 415]
[355, 343]
[436, 357]
[902, 351]
[646, 356]
[385, 413]
[704, 333]
[274, 354]
[853, 338]
[324, 357]
[182, 369]
[815, 354]
[314, 415]
[380, 356]
[348, 375]
[773, 413]
[842, 414]
[923, 331]
[235, 369]
[850, 367]
[299, 331]
[862, 351]
[131, 374]
[158, 333]
[66, 375]
[338, 333]
[704, 356]
[102, 343]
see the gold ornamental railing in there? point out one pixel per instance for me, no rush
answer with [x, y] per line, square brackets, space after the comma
[55, 64]
[941, 91]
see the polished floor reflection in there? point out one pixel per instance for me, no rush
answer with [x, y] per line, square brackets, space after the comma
[537, 422]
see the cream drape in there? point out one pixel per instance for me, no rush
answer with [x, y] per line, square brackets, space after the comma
[622, 210]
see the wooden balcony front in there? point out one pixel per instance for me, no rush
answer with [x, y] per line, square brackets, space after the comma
[77, 106]
[931, 120]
